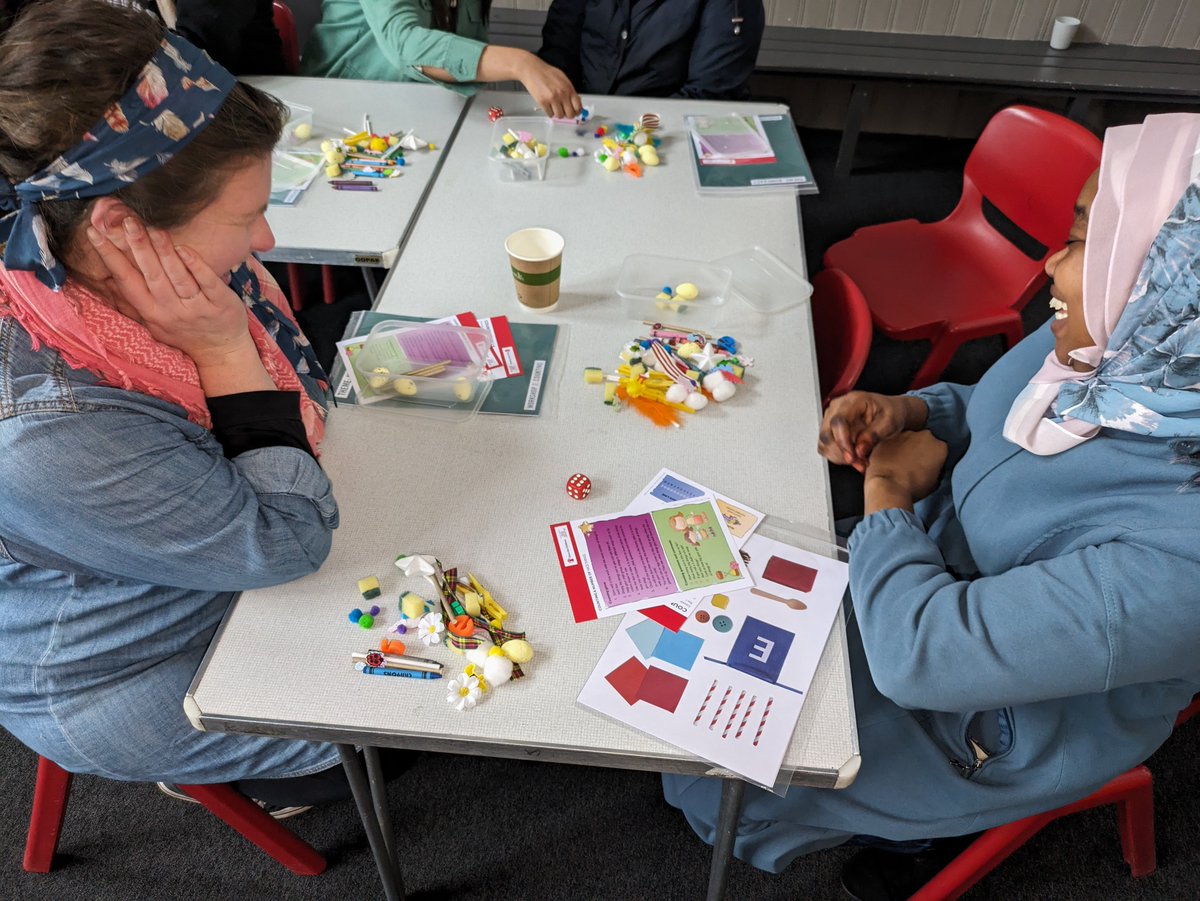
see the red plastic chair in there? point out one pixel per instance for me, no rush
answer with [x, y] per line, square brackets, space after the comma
[842, 330]
[50, 807]
[959, 279]
[1132, 792]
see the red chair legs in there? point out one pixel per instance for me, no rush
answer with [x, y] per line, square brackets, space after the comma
[50, 796]
[53, 788]
[1132, 792]
[258, 827]
[950, 339]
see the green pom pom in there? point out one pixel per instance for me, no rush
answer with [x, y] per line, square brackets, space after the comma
[366, 621]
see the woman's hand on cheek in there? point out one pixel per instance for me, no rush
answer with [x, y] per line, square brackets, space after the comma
[173, 292]
[902, 470]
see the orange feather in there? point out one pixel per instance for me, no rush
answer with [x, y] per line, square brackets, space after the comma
[661, 416]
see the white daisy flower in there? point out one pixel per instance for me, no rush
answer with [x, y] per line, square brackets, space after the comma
[430, 628]
[464, 692]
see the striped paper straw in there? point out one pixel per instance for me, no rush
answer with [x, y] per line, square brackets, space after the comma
[707, 698]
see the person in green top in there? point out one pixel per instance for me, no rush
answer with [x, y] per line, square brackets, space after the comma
[443, 41]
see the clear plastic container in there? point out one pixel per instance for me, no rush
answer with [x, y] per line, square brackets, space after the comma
[435, 370]
[509, 169]
[644, 277]
[764, 282]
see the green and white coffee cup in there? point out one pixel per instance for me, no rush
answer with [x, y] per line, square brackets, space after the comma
[535, 257]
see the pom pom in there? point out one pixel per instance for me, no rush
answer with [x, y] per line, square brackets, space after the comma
[479, 655]
[497, 669]
[723, 391]
[517, 650]
[677, 394]
[696, 401]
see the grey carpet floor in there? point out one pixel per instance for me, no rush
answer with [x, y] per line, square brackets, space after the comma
[476, 829]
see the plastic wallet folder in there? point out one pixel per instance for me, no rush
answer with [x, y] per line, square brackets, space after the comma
[790, 171]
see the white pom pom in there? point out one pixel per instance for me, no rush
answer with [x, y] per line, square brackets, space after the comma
[696, 401]
[677, 393]
[722, 391]
[497, 669]
[479, 655]
[712, 380]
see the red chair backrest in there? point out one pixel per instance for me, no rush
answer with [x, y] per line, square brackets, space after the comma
[1031, 165]
[285, 24]
[842, 331]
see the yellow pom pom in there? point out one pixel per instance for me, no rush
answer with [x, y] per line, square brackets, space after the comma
[379, 145]
[463, 389]
[392, 140]
[687, 291]
[333, 170]
[405, 387]
[518, 650]
[303, 131]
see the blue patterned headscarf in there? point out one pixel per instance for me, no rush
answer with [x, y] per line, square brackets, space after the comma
[176, 94]
[1141, 297]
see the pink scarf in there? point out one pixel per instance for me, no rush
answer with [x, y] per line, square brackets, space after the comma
[89, 334]
[1143, 171]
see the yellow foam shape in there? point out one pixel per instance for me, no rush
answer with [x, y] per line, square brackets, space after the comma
[720, 601]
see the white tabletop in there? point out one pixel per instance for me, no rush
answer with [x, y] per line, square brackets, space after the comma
[349, 227]
[481, 495]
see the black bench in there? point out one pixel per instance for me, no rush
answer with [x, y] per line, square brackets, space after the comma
[1084, 73]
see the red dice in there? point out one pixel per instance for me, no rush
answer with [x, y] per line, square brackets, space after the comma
[579, 486]
[494, 113]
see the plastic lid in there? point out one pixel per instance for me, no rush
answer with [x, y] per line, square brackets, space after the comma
[764, 282]
[424, 369]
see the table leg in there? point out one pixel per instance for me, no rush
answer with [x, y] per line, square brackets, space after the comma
[379, 798]
[393, 885]
[1077, 107]
[372, 286]
[854, 118]
[732, 791]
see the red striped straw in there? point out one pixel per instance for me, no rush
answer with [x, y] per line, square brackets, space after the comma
[763, 721]
[707, 698]
[720, 707]
[733, 714]
[745, 716]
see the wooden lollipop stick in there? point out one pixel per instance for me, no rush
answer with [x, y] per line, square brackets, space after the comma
[429, 369]
[791, 602]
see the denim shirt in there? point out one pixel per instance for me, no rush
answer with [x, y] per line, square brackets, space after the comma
[125, 531]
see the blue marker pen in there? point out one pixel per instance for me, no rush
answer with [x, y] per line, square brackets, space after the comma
[402, 673]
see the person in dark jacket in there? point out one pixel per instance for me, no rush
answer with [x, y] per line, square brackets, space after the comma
[655, 48]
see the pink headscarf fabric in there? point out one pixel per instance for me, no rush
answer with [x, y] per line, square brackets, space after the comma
[90, 334]
[1144, 169]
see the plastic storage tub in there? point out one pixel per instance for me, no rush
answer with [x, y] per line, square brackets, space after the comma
[764, 282]
[432, 369]
[644, 277]
[526, 129]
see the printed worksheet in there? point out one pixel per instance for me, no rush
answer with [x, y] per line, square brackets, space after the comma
[626, 561]
[729, 685]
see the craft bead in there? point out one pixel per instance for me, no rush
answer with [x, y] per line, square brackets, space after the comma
[369, 588]
[517, 650]
[579, 486]
[593, 375]
[687, 291]
[405, 387]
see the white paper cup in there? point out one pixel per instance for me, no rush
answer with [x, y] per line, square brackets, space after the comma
[1064, 32]
[535, 257]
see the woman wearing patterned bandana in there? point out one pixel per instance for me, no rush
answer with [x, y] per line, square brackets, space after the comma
[160, 411]
[1024, 582]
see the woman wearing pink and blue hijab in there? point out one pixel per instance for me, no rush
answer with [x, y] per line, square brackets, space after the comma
[1025, 617]
[160, 411]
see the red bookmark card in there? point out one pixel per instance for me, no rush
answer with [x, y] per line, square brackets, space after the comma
[582, 608]
[503, 345]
